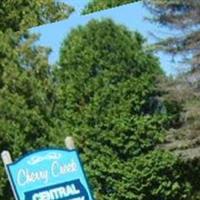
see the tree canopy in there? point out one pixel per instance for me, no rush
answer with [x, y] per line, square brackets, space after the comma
[183, 16]
[113, 111]
[27, 92]
[104, 93]
[97, 5]
[22, 14]
[180, 15]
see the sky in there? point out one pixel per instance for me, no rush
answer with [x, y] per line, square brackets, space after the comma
[133, 16]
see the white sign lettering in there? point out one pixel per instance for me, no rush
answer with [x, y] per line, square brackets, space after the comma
[57, 193]
[25, 177]
[59, 170]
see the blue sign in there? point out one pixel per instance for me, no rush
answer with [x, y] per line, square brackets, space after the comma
[50, 174]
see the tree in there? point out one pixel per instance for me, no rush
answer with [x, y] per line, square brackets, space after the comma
[112, 111]
[183, 15]
[28, 93]
[180, 15]
[23, 14]
[17, 17]
[28, 107]
[184, 89]
[97, 5]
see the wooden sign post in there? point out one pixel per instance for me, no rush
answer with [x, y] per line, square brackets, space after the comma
[48, 174]
[7, 160]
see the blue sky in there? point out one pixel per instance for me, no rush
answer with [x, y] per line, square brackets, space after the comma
[131, 15]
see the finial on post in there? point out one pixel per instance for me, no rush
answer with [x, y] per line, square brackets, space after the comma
[69, 143]
[6, 157]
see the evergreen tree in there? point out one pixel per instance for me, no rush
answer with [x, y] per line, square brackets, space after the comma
[184, 140]
[28, 94]
[113, 111]
[183, 15]
[180, 15]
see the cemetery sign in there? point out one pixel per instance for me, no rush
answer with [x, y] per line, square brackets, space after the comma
[48, 174]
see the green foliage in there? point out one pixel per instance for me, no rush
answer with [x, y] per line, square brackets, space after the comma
[108, 81]
[104, 94]
[184, 139]
[28, 97]
[28, 94]
[22, 14]
[193, 173]
[97, 5]
[156, 175]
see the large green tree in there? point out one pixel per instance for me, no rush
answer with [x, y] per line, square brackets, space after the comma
[28, 94]
[113, 111]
